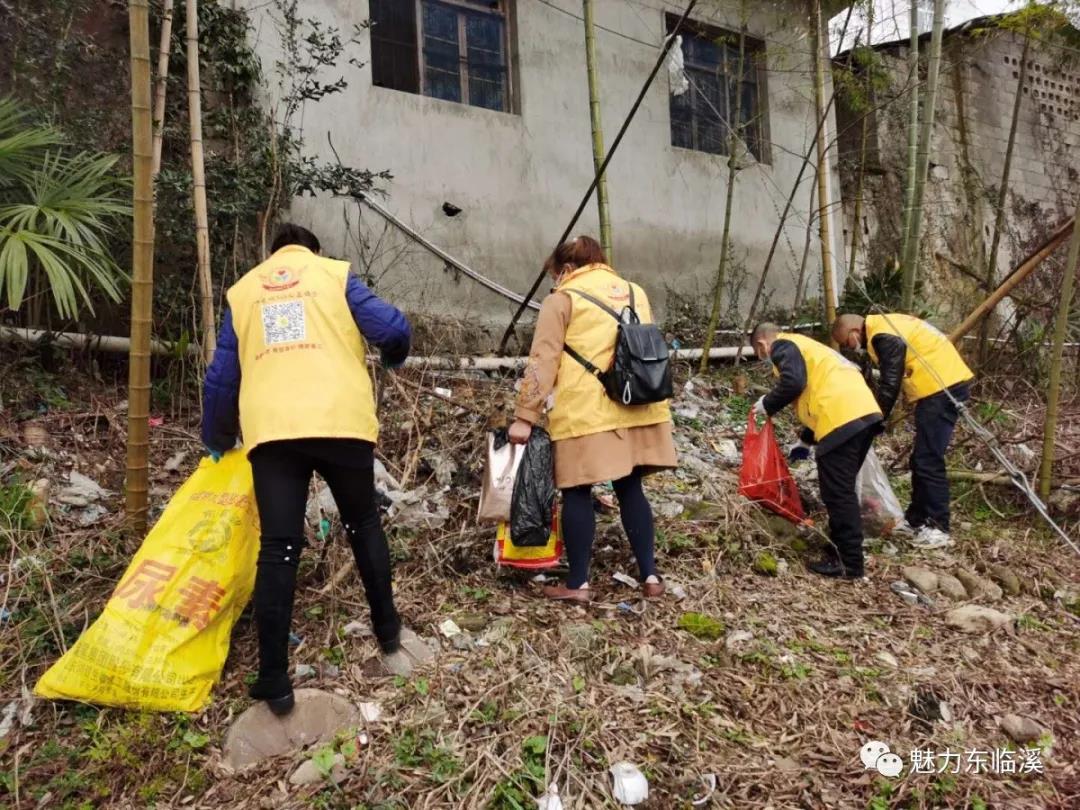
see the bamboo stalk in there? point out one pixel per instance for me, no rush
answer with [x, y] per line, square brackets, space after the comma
[161, 82]
[1022, 271]
[1003, 189]
[198, 185]
[864, 137]
[828, 280]
[913, 129]
[598, 150]
[1061, 325]
[733, 170]
[142, 282]
[926, 134]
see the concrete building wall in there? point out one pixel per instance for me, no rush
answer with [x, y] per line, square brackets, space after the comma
[974, 113]
[518, 177]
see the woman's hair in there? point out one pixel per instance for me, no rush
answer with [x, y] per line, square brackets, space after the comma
[290, 234]
[578, 252]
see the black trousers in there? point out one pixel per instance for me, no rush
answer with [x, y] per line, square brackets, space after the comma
[837, 471]
[935, 421]
[282, 473]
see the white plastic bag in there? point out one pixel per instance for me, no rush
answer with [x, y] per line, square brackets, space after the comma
[880, 507]
[503, 460]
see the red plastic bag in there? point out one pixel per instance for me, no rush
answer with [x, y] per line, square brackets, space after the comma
[765, 476]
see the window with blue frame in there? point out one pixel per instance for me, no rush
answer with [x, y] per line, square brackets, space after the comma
[700, 115]
[455, 50]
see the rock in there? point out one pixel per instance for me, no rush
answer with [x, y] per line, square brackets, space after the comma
[951, 587]
[787, 765]
[309, 772]
[765, 563]
[922, 578]
[1006, 578]
[1021, 729]
[418, 650]
[356, 630]
[977, 587]
[259, 734]
[668, 509]
[473, 622]
[463, 642]
[398, 664]
[737, 637]
[978, 619]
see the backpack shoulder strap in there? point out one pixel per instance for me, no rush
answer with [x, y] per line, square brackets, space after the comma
[589, 367]
[600, 303]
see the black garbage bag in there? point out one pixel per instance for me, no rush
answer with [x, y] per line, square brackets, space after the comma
[533, 503]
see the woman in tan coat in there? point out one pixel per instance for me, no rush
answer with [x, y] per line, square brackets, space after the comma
[595, 439]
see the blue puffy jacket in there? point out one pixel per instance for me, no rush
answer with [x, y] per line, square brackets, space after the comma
[381, 324]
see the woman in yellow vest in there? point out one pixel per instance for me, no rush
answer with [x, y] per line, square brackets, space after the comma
[839, 416]
[290, 373]
[595, 439]
[914, 356]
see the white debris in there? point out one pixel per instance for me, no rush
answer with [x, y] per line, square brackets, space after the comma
[625, 579]
[630, 785]
[356, 630]
[709, 780]
[175, 460]
[81, 491]
[550, 800]
[677, 71]
[449, 629]
[371, 712]
[444, 392]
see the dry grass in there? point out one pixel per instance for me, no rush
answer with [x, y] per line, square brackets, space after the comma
[558, 693]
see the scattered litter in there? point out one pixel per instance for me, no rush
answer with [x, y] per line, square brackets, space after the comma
[677, 591]
[550, 800]
[156, 421]
[541, 578]
[737, 637]
[630, 785]
[331, 671]
[444, 392]
[37, 510]
[35, 435]
[356, 630]
[449, 629]
[709, 780]
[889, 550]
[626, 607]
[91, 515]
[888, 659]
[362, 738]
[20, 711]
[304, 671]
[295, 640]
[905, 592]
[5, 614]
[668, 509]
[81, 491]
[371, 712]
[625, 579]
[175, 460]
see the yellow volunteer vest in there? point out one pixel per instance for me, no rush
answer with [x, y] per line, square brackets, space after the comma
[581, 406]
[302, 358]
[926, 347]
[835, 392]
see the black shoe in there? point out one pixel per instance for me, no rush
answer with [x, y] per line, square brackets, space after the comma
[834, 569]
[276, 690]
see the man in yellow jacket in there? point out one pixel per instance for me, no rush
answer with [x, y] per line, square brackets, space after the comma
[915, 357]
[839, 416]
[290, 373]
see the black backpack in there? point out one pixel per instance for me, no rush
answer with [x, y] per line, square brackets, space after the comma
[640, 372]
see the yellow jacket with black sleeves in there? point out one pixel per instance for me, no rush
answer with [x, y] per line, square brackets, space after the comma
[831, 398]
[913, 355]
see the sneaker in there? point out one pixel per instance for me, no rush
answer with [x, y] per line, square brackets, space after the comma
[904, 529]
[929, 537]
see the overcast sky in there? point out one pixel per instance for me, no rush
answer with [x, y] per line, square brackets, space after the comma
[891, 17]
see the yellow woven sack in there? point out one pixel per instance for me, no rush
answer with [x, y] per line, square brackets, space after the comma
[161, 641]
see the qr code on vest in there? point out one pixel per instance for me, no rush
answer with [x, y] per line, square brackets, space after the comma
[283, 323]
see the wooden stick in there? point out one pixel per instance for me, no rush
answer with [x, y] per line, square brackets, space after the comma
[198, 184]
[1022, 271]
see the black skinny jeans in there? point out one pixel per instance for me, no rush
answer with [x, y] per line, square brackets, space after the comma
[837, 471]
[935, 421]
[282, 473]
[579, 527]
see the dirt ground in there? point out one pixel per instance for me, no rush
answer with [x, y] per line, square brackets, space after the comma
[756, 689]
